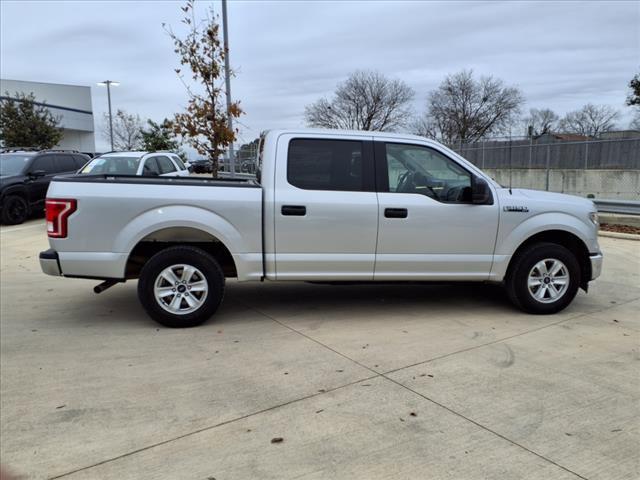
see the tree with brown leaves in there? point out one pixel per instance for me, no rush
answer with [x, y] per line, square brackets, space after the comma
[204, 124]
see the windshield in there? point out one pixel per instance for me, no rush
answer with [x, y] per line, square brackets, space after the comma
[112, 166]
[13, 163]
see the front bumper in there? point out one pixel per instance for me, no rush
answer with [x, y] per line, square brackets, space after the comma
[49, 262]
[596, 265]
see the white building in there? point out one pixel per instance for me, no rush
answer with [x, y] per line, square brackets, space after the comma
[71, 103]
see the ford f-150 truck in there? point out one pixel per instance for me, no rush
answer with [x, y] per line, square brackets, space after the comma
[326, 206]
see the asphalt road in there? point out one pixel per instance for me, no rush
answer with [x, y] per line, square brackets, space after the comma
[371, 382]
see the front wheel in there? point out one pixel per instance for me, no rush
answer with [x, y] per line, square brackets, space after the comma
[181, 286]
[543, 279]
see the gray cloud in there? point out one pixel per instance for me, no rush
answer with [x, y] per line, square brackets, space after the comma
[287, 54]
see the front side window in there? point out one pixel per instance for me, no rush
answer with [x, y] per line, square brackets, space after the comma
[322, 164]
[166, 165]
[417, 169]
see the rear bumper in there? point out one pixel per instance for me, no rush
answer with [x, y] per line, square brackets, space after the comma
[50, 263]
[596, 265]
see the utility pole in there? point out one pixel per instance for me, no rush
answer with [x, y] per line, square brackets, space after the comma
[227, 81]
[108, 84]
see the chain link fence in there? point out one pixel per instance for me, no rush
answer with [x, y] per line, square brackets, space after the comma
[599, 168]
[246, 159]
[547, 152]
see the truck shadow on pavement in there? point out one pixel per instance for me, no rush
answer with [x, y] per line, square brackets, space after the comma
[120, 304]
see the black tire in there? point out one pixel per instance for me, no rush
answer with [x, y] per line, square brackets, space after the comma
[517, 281]
[181, 255]
[14, 210]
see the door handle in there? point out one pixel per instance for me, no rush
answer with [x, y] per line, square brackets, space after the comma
[395, 212]
[294, 210]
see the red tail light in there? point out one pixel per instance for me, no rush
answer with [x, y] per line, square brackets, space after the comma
[58, 211]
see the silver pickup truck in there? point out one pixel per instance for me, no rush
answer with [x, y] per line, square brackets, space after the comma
[327, 206]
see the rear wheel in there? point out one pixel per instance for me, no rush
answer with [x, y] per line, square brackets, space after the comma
[181, 286]
[543, 279]
[14, 210]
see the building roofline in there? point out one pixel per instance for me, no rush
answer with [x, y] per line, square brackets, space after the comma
[45, 83]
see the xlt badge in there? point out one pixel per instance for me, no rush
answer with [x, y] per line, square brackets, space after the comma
[515, 208]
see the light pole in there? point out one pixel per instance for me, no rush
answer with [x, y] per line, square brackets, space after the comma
[227, 80]
[108, 83]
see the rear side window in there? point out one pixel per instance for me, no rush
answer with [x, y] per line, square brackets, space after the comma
[323, 164]
[46, 163]
[166, 166]
[65, 163]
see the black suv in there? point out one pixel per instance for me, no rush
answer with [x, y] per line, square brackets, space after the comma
[25, 177]
[202, 165]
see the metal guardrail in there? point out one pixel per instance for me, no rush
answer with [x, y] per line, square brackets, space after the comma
[627, 207]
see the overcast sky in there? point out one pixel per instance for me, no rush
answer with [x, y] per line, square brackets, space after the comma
[287, 54]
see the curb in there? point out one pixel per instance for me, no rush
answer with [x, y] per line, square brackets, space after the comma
[625, 236]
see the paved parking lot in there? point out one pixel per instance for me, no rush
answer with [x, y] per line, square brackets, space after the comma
[382, 381]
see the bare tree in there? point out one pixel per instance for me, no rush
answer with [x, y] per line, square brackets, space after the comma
[634, 86]
[591, 120]
[126, 130]
[465, 109]
[542, 121]
[365, 101]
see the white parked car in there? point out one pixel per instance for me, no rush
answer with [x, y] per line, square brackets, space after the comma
[327, 206]
[148, 164]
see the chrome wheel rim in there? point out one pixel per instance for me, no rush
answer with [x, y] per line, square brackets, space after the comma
[548, 280]
[181, 289]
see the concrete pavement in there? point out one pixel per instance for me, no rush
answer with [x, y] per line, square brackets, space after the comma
[359, 381]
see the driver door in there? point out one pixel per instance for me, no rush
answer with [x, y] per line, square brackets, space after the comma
[428, 229]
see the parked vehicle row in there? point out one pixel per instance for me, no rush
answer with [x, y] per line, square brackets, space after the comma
[25, 174]
[327, 206]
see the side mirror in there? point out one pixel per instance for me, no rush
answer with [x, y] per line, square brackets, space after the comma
[480, 192]
[37, 174]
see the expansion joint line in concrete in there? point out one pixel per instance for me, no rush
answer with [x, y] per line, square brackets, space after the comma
[458, 414]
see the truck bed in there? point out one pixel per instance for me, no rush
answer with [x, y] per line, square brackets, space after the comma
[115, 213]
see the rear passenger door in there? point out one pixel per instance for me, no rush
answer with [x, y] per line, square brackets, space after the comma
[325, 207]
